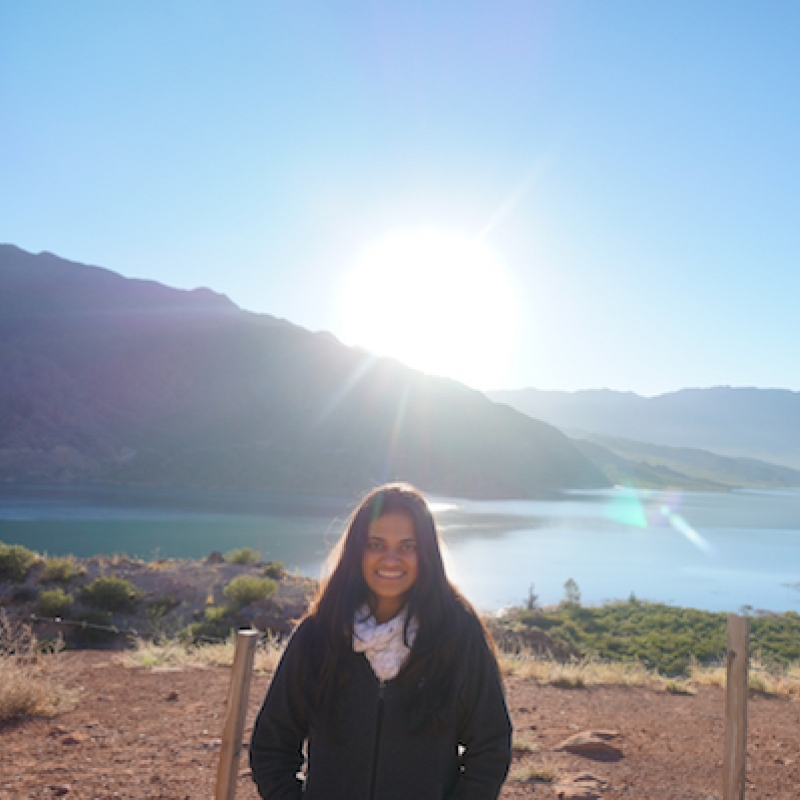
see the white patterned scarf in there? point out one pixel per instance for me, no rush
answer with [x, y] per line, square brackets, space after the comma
[383, 645]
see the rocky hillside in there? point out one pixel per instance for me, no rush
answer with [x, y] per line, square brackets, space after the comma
[111, 380]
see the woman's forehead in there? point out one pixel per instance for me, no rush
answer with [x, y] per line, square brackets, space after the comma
[394, 525]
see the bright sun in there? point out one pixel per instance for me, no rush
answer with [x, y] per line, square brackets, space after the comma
[437, 301]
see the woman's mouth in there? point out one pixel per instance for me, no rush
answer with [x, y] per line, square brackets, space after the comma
[390, 575]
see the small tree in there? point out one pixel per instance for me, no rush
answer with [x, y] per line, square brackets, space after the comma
[532, 600]
[572, 593]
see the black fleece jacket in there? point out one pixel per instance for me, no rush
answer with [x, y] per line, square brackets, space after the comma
[377, 751]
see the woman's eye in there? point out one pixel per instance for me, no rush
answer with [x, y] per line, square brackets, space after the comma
[374, 546]
[409, 547]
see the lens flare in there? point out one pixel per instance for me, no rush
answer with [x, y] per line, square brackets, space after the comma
[393, 439]
[684, 528]
[628, 508]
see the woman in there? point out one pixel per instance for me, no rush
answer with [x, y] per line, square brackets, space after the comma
[390, 681]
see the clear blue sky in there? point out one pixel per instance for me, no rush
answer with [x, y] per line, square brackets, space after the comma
[257, 147]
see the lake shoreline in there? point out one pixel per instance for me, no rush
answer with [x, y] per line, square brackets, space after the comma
[712, 551]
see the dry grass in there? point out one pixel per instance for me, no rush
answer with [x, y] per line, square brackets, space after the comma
[542, 773]
[175, 655]
[30, 675]
[781, 681]
[679, 687]
[522, 746]
[588, 672]
[575, 674]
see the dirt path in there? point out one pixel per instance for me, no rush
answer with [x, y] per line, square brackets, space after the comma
[143, 734]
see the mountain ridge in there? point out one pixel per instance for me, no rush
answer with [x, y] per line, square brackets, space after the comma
[116, 380]
[748, 422]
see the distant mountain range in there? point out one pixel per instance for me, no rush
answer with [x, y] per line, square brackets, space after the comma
[706, 438]
[111, 380]
[628, 462]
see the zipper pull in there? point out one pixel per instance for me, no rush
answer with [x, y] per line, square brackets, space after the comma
[381, 687]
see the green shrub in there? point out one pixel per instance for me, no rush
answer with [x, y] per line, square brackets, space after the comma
[53, 603]
[243, 555]
[16, 561]
[110, 594]
[61, 570]
[662, 637]
[247, 589]
[275, 570]
[217, 624]
[217, 613]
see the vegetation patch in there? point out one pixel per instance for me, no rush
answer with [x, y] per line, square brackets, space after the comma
[54, 603]
[275, 570]
[678, 687]
[247, 589]
[665, 639]
[534, 774]
[578, 674]
[16, 561]
[521, 746]
[242, 555]
[176, 655]
[110, 594]
[30, 675]
[217, 624]
[61, 570]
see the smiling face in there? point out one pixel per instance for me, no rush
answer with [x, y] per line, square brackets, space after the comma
[389, 563]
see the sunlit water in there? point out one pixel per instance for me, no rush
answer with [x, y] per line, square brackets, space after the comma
[707, 550]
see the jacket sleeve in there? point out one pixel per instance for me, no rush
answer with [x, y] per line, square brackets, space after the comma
[276, 747]
[484, 726]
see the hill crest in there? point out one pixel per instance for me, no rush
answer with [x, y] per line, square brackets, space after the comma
[108, 379]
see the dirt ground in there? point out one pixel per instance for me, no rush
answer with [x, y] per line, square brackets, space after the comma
[138, 733]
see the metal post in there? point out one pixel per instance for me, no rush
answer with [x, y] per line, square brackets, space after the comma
[238, 693]
[734, 758]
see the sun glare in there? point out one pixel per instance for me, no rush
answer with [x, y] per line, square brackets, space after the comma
[437, 301]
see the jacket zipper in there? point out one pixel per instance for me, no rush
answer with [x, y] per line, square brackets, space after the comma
[378, 726]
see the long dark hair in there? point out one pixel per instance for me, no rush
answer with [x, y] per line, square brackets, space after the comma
[433, 601]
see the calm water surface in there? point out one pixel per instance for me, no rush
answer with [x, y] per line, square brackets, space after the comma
[706, 550]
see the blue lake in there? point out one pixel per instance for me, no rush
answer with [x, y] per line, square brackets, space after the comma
[717, 551]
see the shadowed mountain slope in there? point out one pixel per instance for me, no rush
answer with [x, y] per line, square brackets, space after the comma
[114, 380]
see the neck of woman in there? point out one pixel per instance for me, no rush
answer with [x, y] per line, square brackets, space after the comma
[385, 608]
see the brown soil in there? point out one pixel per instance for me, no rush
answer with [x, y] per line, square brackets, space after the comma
[147, 734]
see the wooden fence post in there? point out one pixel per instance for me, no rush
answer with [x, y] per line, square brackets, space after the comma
[238, 692]
[734, 758]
